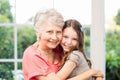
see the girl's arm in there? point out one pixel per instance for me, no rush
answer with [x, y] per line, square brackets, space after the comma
[63, 73]
[66, 70]
[72, 61]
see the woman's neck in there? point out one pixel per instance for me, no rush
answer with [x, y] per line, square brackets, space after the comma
[48, 54]
[42, 47]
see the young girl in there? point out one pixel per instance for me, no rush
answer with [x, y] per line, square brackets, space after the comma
[75, 64]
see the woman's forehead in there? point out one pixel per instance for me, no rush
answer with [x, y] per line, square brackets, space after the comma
[50, 26]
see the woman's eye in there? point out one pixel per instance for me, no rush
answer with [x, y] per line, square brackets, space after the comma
[49, 31]
[65, 36]
[59, 32]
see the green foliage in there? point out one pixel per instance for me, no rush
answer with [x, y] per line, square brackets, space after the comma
[113, 42]
[117, 18]
[112, 52]
[113, 55]
[112, 67]
[5, 11]
[6, 42]
[26, 37]
[6, 71]
[87, 40]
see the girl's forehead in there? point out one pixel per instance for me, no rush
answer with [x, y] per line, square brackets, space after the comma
[70, 32]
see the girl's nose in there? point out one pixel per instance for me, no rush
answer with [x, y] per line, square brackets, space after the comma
[69, 41]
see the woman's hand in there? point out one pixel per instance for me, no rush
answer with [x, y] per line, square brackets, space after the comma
[99, 75]
[99, 78]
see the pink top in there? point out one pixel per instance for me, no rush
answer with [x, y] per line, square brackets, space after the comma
[33, 64]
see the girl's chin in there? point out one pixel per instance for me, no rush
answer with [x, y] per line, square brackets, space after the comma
[66, 50]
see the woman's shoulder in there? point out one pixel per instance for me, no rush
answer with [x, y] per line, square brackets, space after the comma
[30, 50]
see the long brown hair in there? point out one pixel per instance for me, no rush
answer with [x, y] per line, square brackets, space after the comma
[78, 28]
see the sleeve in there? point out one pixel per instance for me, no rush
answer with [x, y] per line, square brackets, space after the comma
[34, 65]
[74, 56]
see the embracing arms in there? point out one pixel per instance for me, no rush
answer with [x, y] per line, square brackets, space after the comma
[67, 69]
[62, 75]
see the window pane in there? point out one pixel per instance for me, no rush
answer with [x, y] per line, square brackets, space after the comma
[87, 39]
[20, 65]
[6, 71]
[26, 36]
[80, 11]
[6, 42]
[25, 12]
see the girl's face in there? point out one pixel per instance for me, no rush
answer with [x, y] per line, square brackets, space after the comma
[69, 40]
[51, 36]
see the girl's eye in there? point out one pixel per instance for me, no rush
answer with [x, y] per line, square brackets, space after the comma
[74, 39]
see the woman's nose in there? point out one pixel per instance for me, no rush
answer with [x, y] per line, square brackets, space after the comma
[54, 36]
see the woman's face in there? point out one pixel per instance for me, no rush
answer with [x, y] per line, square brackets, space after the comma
[69, 40]
[50, 36]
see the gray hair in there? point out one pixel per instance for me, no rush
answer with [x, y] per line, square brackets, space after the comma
[50, 15]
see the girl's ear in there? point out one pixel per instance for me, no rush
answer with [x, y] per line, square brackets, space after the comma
[77, 47]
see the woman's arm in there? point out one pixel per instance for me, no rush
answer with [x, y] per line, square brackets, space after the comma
[50, 76]
[99, 78]
[62, 76]
[87, 74]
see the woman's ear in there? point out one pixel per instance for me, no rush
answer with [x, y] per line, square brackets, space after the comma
[38, 36]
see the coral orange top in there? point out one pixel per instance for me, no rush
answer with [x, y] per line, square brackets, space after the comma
[33, 64]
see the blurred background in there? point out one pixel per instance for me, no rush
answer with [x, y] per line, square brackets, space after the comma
[17, 33]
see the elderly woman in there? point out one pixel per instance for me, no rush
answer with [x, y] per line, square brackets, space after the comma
[41, 58]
